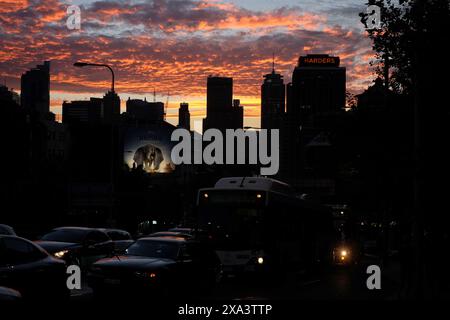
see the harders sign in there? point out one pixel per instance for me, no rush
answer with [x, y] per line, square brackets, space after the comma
[318, 60]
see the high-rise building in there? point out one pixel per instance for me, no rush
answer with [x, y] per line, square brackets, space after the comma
[143, 111]
[315, 99]
[84, 111]
[238, 114]
[35, 89]
[318, 87]
[184, 117]
[111, 107]
[220, 111]
[9, 96]
[272, 100]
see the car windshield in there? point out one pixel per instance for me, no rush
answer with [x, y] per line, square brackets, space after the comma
[154, 249]
[6, 230]
[66, 235]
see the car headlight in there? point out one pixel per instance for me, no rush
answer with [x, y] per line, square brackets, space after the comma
[344, 253]
[61, 253]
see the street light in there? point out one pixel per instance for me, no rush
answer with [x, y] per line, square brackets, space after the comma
[84, 64]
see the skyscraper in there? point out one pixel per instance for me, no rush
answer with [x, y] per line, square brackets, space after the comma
[220, 111]
[145, 112]
[111, 107]
[35, 89]
[272, 100]
[318, 87]
[184, 117]
[315, 98]
[83, 111]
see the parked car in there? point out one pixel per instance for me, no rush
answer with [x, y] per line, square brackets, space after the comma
[163, 266]
[77, 245]
[7, 230]
[122, 239]
[9, 295]
[170, 234]
[182, 230]
[26, 267]
[194, 233]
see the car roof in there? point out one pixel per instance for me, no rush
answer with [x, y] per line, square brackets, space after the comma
[9, 236]
[165, 239]
[5, 226]
[8, 229]
[112, 230]
[76, 228]
[180, 229]
[171, 233]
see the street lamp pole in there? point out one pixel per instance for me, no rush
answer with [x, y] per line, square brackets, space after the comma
[84, 64]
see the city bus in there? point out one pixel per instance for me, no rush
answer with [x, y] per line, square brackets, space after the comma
[261, 224]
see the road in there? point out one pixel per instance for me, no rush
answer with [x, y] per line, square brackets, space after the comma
[337, 283]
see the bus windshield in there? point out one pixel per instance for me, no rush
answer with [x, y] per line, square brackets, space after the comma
[232, 227]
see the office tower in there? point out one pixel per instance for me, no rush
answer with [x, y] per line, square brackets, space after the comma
[35, 89]
[184, 117]
[318, 87]
[315, 98]
[238, 114]
[272, 100]
[220, 111]
[143, 111]
[76, 112]
[111, 107]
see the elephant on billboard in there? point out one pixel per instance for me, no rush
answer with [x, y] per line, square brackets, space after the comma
[148, 155]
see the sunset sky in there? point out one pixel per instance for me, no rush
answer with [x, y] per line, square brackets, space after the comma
[173, 45]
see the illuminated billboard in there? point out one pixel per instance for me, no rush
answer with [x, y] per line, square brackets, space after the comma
[149, 148]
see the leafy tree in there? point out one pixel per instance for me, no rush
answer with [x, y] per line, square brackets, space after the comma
[407, 28]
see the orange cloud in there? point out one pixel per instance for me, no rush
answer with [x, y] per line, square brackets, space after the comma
[171, 49]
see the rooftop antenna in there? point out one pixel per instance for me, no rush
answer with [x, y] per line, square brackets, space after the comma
[154, 95]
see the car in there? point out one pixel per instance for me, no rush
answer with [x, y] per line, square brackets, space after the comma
[182, 230]
[7, 230]
[9, 295]
[122, 239]
[162, 266]
[198, 234]
[77, 245]
[170, 234]
[29, 269]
